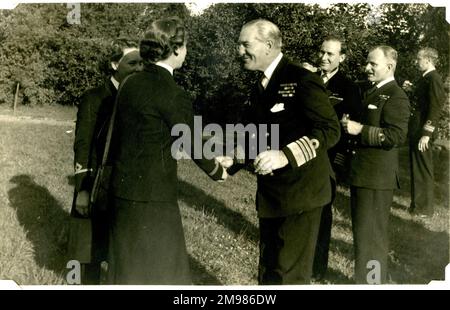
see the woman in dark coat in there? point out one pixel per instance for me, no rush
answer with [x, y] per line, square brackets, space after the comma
[88, 237]
[147, 243]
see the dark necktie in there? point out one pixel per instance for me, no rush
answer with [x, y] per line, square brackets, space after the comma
[370, 91]
[262, 83]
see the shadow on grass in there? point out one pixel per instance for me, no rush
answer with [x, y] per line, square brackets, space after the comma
[197, 199]
[200, 276]
[418, 255]
[43, 220]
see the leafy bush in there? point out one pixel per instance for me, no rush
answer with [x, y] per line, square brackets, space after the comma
[55, 62]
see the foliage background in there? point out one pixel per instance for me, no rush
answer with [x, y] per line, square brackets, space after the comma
[55, 62]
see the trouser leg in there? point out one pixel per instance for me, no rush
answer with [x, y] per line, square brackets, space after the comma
[422, 180]
[287, 247]
[370, 221]
[320, 264]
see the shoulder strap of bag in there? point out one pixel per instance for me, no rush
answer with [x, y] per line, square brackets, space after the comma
[98, 175]
[111, 125]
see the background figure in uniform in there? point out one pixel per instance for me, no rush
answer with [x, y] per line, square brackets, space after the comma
[93, 116]
[147, 244]
[374, 166]
[345, 98]
[294, 181]
[429, 97]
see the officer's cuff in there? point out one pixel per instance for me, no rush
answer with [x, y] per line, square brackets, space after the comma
[428, 129]
[300, 152]
[217, 172]
[372, 136]
[339, 159]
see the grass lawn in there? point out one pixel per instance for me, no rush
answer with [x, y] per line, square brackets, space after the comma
[219, 219]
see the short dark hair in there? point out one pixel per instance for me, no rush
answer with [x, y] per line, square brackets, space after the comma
[117, 47]
[162, 38]
[336, 38]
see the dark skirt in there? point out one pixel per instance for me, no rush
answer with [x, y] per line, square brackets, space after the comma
[147, 244]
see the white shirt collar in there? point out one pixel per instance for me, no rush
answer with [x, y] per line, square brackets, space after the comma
[115, 82]
[428, 71]
[329, 75]
[384, 82]
[165, 66]
[271, 68]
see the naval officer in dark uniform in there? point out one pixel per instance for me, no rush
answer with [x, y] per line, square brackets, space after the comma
[344, 96]
[374, 166]
[429, 98]
[294, 180]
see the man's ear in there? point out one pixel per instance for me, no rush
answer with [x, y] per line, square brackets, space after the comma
[342, 58]
[269, 44]
[390, 66]
[114, 65]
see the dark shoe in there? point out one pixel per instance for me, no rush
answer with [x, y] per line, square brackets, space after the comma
[318, 277]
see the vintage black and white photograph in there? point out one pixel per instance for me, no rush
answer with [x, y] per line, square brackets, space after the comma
[220, 144]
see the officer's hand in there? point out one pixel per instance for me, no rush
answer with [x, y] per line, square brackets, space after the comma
[423, 143]
[268, 161]
[407, 86]
[225, 161]
[351, 127]
[82, 203]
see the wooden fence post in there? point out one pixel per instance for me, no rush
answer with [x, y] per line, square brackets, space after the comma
[15, 98]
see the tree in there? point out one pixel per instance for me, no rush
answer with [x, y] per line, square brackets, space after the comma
[55, 62]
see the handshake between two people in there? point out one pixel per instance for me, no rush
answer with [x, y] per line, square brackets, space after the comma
[265, 163]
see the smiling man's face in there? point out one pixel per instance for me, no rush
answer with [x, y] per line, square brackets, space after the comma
[253, 51]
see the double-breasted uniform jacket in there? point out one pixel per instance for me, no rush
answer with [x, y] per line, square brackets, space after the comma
[385, 118]
[429, 97]
[93, 116]
[295, 99]
[345, 98]
[150, 103]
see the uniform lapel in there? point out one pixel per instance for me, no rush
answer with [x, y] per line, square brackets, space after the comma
[274, 80]
[376, 96]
